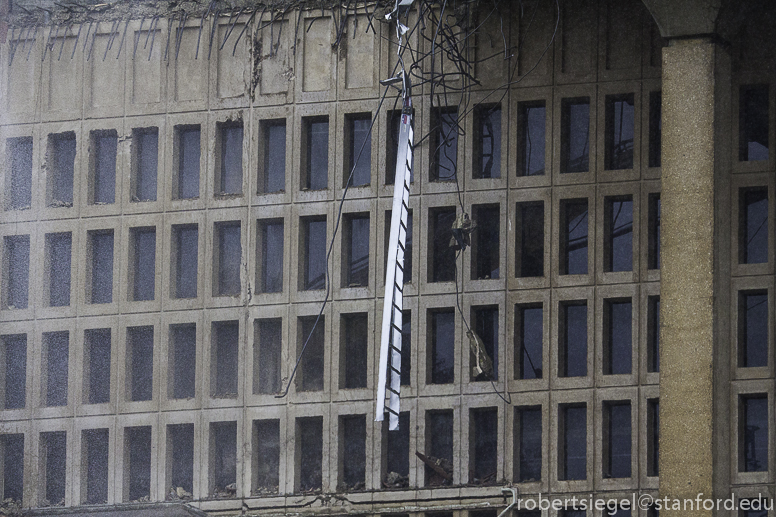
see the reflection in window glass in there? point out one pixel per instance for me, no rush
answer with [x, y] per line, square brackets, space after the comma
[528, 461]
[753, 226]
[753, 123]
[619, 234]
[573, 446]
[619, 131]
[532, 138]
[316, 174]
[752, 329]
[617, 421]
[444, 145]
[274, 176]
[575, 135]
[753, 434]
[618, 347]
[487, 163]
[442, 349]
[574, 237]
[573, 333]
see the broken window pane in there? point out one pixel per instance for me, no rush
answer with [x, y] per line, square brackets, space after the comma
[358, 135]
[392, 147]
[617, 440]
[753, 128]
[531, 138]
[573, 442]
[143, 263]
[12, 460]
[653, 334]
[618, 344]
[439, 446]
[407, 276]
[753, 433]
[444, 144]
[485, 242]
[529, 321]
[352, 450]
[55, 365]
[653, 437]
[619, 131]
[58, 258]
[94, 463]
[355, 251]
[309, 377]
[313, 244]
[309, 453]
[101, 244]
[574, 222]
[753, 226]
[575, 135]
[187, 166]
[653, 260]
[103, 165]
[186, 241]
[655, 128]
[140, 363]
[137, 463]
[14, 371]
[16, 271]
[528, 443]
[61, 163]
[223, 457]
[229, 256]
[18, 166]
[397, 453]
[483, 445]
[224, 359]
[270, 251]
[618, 234]
[487, 161]
[529, 260]
[485, 325]
[273, 177]
[180, 459]
[97, 347]
[266, 456]
[53, 457]
[316, 169]
[354, 329]
[752, 329]
[572, 360]
[267, 355]
[182, 361]
[231, 149]
[145, 156]
[441, 266]
[441, 360]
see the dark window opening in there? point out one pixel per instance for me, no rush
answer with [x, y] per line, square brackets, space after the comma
[352, 450]
[439, 448]
[102, 184]
[313, 242]
[13, 370]
[753, 226]
[406, 347]
[143, 260]
[61, 163]
[16, 272]
[441, 266]
[355, 244]
[483, 446]
[230, 152]
[354, 329]
[407, 271]
[223, 459]
[229, 256]
[358, 169]
[18, 166]
[655, 128]
[187, 156]
[182, 361]
[753, 124]
[753, 434]
[315, 142]
[487, 142]
[529, 248]
[396, 453]
[309, 377]
[620, 113]
[272, 178]
[572, 340]
[528, 443]
[53, 458]
[754, 508]
[185, 261]
[653, 334]
[653, 437]
[94, 466]
[55, 359]
[12, 461]
[441, 360]
[267, 355]
[617, 440]
[574, 236]
[137, 463]
[58, 257]
[653, 259]
[532, 120]
[618, 337]
[97, 349]
[101, 274]
[392, 147]
[269, 249]
[180, 459]
[145, 164]
[224, 359]
[485, 325]
[309, 453]
[572, 446]
[618, 234]
[752, 329]
[575, 135]
[140, 363]
[266, 457]
[485, 250]
[529, 341]
[443, 144]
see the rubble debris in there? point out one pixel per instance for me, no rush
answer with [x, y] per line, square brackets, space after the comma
[265, 490]
[178, 493]
[442, 469]
[355, 487]
[396, 480]
[229, 490]
[11, 507]
[485, 480]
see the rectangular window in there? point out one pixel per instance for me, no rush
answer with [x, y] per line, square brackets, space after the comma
[355, 244]
[653, 437]
[441, 353]
[309, 453]
[54, 368]
[58, 259]
[752, 329]
[618, 234]
[619, 131]
[102, 163]
[352, 450]
[18, 179]
[406, 347]
[354, 335]
[407, 276]
[12, 461]
[572, 446]
[573, 237]
[60, 158]
[439, 446]
[137, 463]
[187, 156]
[315, 142]
[145, 164]
[269, 250]
[483, 445]
[358, 153]
[655, 128]
[443, 144]
[653, 334]
[223, 459]
[143, 260]
[100, 249]
[485, 325]
[272, 178]
[753, 433]
[185, 261]
[753, 127]
[485, 239]
[13, 352]
[617, 440]
[529, 341]
[97, 345]
[230, 150]
[653, 261]
[266, 456]
[313, 242]
[94, 466]
[618, 336]
[441, 264]
[575, 135]
[312, 335]
[140, 363]
[224, 359]
[753, 225]
[528, 444]
[392, 147]
[529, 248]
[267, 355]
[182, 361]
[487, 141]
[572, 340]
[228, 253]
[53, 467]
[16, 272]
[532, 117]
[180, 459]
[396, 453]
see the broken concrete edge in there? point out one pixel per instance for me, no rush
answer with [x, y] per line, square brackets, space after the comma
[175, 509]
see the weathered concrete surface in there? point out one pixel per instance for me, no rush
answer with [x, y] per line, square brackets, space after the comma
[682, 18]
